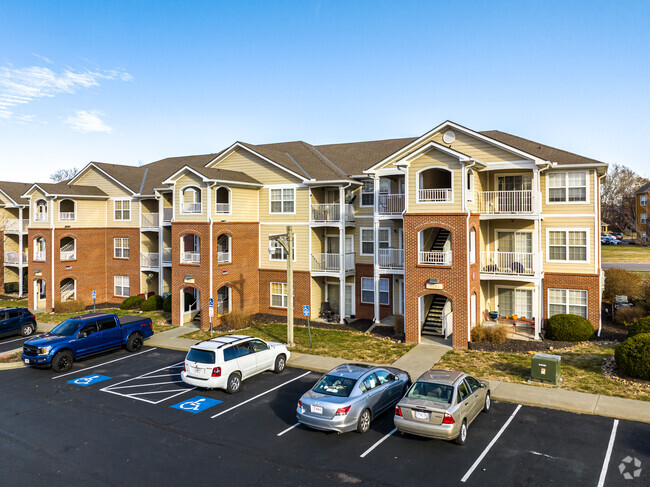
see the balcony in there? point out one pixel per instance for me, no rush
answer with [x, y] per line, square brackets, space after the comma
[391, 259]
[167, 256]
[149, 259]
[331, 263]
[390, 204]
[68, 254]
[223, 257]
[222, 208]
[39, 255]
[190, 257]
[329, 213]
[434, 258]
[13, 225]
[149, 221]
[507, 263]
[40, 217]
[191, 208]
[437, 195]
[67, 216]
[13, 258]
[168, 214]
[505, 202]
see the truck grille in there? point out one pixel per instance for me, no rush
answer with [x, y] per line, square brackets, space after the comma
[30, 350]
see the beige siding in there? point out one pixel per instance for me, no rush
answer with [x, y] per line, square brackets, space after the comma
[568, 223]
[38, 195]
[301, 232]
[88, 213]
[476, 148]
[148, 242]
[317, 295]
[243, 161]
[243, 205]
[571, 208]
[106, 184]
[301, 207]
[182, 183]
[151, 286]
[434, 158]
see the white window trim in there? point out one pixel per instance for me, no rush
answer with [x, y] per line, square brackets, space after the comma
[372, 280]
[229, 200]
[229, 288]
[417, 187]
[361, 193]
[644, 218]
[75, 210]
[115, 278]
[182, 199]
[361, 253]
[567, 202]
[295, 250]
[285, 295]
[36, 249]
[567, 261]
[566, 290]
[115, 247]
[472, 246]
[283, 187]
[643, 200]
[514, 288]
[216, 244]
[122, 210]
[470, 176]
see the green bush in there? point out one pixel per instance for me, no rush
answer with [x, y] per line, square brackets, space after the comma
[569, 328]
[633, 356]
[639, 326]
[167, 304]
[11, 287]
[153, 303]
[132, 302]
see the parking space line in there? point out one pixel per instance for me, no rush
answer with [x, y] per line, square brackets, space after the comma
[288, 429]
[262, 394]
[16, 340]
[105, 363]
[151, 384]
[487, 448]
[363, 455]
[610, 445]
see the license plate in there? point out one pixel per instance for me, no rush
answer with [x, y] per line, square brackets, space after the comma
[421, 415]
[196, 370]
[317, 409]
[27, 361]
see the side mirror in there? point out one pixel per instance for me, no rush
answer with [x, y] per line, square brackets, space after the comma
[483, 385]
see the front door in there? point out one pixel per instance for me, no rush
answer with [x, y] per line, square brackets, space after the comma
[333, 297]
[349, 299]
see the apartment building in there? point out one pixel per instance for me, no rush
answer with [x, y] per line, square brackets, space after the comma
[641, 214]
[14, 221]
[441, 229]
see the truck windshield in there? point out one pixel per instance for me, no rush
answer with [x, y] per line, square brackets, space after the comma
[200, 356]
[67, 328]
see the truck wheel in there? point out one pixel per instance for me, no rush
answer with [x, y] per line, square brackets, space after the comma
[62, 361]
[280, 363]
[234, 383]
[134, 343]
[27, 329]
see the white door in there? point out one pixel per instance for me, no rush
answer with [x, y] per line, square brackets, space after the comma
[349, 299]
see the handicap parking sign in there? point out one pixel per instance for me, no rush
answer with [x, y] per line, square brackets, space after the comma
[88, 379]
[196, 404]
[305, 309]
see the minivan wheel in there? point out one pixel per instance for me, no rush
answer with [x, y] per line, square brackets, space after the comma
[27, 329]
[234, 383]
[280, 363]
[488, 403]
[364, 421]
[62, 361]
[462, 436]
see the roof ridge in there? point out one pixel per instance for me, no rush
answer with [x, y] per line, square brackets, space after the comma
[312, 148]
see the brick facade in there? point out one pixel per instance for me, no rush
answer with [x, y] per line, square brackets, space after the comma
[301, 288]
[2, 256]
[366, 311]
[573, 281]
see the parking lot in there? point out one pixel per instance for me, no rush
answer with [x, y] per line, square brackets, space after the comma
[124, 419]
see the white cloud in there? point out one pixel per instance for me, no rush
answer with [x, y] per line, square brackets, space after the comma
[43, 58]
[88, 121]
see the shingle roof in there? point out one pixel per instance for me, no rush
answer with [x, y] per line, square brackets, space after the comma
[129, 176]
[643, 189]
[15, 191]
[536, 149]
[159, 171]
[70, 189]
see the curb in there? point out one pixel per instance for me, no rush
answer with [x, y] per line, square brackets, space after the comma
[12, 365]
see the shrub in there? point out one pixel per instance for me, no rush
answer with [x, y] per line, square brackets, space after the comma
[633, 356]
[628, 315]
[132, 302]
[622, 282]
[167, 304]
[11, 287]
[153, 303]
[640, 326]
[490, 334]
[72, 306]
[569, 328]
[236, 320]
[398, 326]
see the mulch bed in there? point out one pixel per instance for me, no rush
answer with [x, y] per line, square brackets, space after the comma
[358, 325]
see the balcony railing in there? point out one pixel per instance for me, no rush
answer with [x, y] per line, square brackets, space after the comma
[67, 216]
[222, 208]
[434, 258]
[437, 195]
[13, 257]
[168, 214]
[149, 220]
[68, 254]
[498, 202]
[391, 258]
[40, 217]
[331, 212]
[39, 255]
[390, 204]
[167, 255]
[13, 225]
[149, 259]
[331, 262]
[511, 263]
[190, 257]
[223, 257]
[191, 208]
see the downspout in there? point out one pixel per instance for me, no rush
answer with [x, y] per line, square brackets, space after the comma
[540, 198]
[599, 257]
[209, 213]
[21, 271]
[463, 194]
[342, 270]
[52, 245]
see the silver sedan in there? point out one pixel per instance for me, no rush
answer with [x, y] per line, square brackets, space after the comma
[442, 404]
[350, 396]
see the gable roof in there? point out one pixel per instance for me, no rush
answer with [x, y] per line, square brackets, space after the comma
[214, 174]
[156, 172]
[643, 189]
[65, 189]
[15, 191]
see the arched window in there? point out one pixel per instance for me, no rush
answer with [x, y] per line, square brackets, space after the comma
[67, 210]
[434, 246]
[222, 200]
[435, 185]
[191, 200]
[224, 248]
[68, 289]
[470, 185]
[190, 249]
[40, 210]
[224, 295]
[39, 248]
[472, 246]
[68, 248]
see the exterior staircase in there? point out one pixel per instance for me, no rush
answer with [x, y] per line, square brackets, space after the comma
[433, 322]
[438, 244]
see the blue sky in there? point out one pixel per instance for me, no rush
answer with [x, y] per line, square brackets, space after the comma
[135, 81]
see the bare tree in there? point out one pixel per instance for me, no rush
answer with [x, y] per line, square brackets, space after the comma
[617, 198]
[64, 175]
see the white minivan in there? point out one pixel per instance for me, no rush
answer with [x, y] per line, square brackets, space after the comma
[223, 362]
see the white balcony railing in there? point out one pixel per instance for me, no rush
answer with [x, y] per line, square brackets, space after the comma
[190, 257]
[512, 263]
[68, 254]
[191, 208]
[437, 195]
[390, 204]
[222, 208]
[331, 212]
[223, 257]
[13, 225]
[13, 257]
[167, 255]
[67, 216]
[321, 262]
[391, 258]
[434, 258]
[40, 217]
[149, 259]
[149, 220]
[497, 202]
[39, 255]
[168, 214]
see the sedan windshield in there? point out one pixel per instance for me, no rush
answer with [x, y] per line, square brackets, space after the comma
[432, 392]
[335, 386]
[67, 328]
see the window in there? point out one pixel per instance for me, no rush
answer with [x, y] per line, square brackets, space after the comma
[368, 290]
[368, 193]
[515, 302]
[121, 286]
[222, 200]
[223, 249]
[279, 252]
[384, 238]
[472, 246]
[121, 248]
[368, 383]
[279, 294]
[258, 346]
[283, 200]
[191, 200]
[122, 210]
[472, 383]
[228, 354]
[567, 245]
[385, 376]
[567, 187]
[367, 241]
[644, 218]
[571, 301]
[106, 323]
[644, 200]
[190, 249]
[39, 248]
[463, 392]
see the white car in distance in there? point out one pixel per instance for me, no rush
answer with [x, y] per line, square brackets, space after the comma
[223, 362]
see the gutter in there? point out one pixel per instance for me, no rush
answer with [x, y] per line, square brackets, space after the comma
[600, 270]
[467, 245]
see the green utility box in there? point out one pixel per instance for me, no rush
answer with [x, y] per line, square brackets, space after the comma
[546, 367]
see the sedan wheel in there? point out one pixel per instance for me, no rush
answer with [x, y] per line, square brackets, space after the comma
[462, 436]
[364, 421]
[488, 403]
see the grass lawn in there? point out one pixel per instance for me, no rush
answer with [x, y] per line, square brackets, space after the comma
[160, 319]
[619, 254]
[11, 303]
[347, 345]
[581, 369]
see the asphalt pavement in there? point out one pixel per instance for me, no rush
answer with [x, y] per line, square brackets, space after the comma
[627, 266]
[127, 419]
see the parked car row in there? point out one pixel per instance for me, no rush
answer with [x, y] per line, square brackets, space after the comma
[16, 321]
[609, 239]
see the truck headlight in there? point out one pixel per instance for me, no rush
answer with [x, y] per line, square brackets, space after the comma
[44, 350]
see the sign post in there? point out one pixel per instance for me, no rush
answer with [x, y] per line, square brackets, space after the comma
[305, 311]
[94, 299]
[211, 312]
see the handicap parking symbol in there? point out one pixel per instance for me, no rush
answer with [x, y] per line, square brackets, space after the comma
[196, 404]
[89, 379]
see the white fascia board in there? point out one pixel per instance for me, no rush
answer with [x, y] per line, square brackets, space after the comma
[314, 182]
[234, 183]
[15, 203]
[92, 165]
[32, 188]
[496, 166]
[172, 179]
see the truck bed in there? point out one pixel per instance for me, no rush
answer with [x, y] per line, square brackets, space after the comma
[127, 320]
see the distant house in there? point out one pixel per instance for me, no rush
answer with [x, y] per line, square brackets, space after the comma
[642, 195]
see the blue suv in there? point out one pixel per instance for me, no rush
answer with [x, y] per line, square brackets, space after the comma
[14, 321]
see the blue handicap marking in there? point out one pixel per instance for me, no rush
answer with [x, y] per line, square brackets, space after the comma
[305, 309]
[196, 404]
[89, 379]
